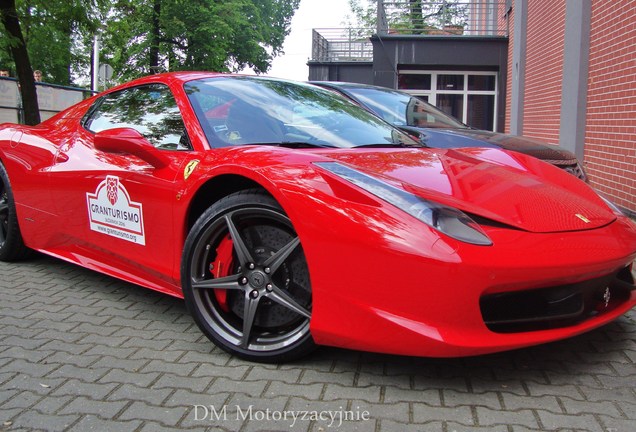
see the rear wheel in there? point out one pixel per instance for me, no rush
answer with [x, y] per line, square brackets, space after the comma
[245, 279]
[12, 247]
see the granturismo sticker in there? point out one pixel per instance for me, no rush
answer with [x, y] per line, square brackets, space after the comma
[112, 212]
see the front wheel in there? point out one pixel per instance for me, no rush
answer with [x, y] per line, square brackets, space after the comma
[245, 279]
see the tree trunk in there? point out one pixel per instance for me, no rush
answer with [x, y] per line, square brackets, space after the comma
[154, 42]
[17, 46]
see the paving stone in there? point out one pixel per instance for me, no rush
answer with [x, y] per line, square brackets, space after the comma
[51, 405]
[187, 398]
[616, 425]
[489, 417]
[210, 371]
[117, 352]
[313, 376]
[393, 426]
[33, 420]
[368, 379]
[455, 398]
[171, 381]
[370, 393]
[128, 365]
[259, 372]
[129, 392]
[603, 394]
[85, 374]
[38, 369]
[561, 390]
[423, 413]
[164, 415]
[580, 422]
[23, 400]
[398, 412]
[175, 367]
[202, 357]
[138, 379]
[628, 409]
[547, 402]
[91, 423]
[21, 353]
[456, 427]
[6, 395]
[35, 384]
[103, 409]
[429, 397]
[584, 407]
[78, 388]
[142, 365]
[309, 391]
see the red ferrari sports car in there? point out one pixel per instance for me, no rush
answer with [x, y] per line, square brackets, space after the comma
[289, 218]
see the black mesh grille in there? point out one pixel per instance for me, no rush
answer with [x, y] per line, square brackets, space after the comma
[557, 306]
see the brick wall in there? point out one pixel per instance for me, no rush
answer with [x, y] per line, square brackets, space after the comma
[610, 141]
[544, 69]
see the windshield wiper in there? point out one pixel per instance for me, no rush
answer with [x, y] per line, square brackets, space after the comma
[390, 145]
[293, 144]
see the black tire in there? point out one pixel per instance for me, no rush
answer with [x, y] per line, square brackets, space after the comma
[12, 246]
[243, 254]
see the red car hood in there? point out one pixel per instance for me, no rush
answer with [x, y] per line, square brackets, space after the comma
[510, 188]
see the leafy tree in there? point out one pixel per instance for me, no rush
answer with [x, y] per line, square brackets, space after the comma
[411, 16]
[41, 34]
[139, 37]
[147, 36]
[51, 30]
[14, 42]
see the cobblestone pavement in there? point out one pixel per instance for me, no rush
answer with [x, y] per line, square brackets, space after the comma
[83, 352]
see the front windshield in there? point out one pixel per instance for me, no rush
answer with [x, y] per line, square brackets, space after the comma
[402, 109]
[249, 110]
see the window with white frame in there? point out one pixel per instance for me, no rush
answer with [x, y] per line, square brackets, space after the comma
[469, 96]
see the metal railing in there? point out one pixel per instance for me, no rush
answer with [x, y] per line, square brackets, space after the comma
[347, 44]
[442, 17]
[453, 18]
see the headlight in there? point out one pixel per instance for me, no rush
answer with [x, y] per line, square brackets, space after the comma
[610, 204]
[582, 174]
[448, 220]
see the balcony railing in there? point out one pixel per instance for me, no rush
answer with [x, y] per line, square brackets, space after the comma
[350, 44]
[442, 17]
[453, 18]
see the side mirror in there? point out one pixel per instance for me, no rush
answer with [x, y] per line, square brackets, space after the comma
[129, 140]
[415, 133]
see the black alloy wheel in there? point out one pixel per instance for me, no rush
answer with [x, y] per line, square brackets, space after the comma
[246, 281]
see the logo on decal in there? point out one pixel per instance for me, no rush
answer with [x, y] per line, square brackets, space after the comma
[189, 168]
[111, 189]
[112, 212]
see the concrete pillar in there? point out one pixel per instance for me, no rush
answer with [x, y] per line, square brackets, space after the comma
[576, 58]
[520, 33]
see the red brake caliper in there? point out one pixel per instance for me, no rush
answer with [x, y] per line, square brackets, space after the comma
[222, 266]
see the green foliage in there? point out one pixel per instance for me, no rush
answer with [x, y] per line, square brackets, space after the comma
[50, 28]
[219, 35]
[196, 34]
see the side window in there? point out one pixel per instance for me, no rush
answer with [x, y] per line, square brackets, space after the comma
[150, 109]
